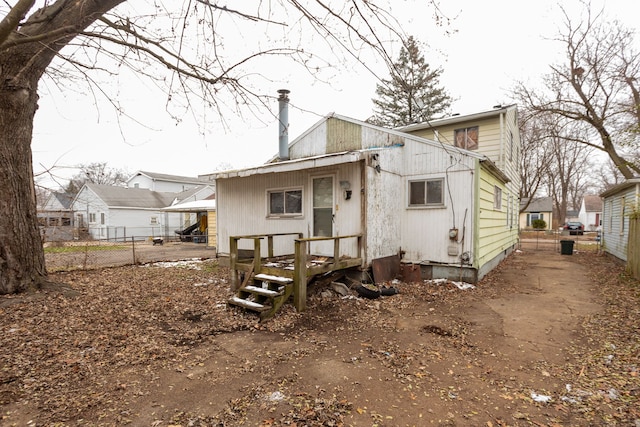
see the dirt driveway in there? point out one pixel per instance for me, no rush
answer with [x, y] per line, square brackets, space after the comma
[522, 348]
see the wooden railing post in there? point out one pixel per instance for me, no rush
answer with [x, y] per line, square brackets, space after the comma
[300, 279]
[270, 246]
[336, 250]
[233, 259]
[256, 255]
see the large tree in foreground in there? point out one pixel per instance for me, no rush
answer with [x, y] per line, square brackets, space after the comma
[100, 37]
[598, 85]
[412, 94]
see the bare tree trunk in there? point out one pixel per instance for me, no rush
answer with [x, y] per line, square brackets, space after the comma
[21, 253]
[24, 57]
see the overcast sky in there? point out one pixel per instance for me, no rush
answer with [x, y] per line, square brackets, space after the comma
[496, 43]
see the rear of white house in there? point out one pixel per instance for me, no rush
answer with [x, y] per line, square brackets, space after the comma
[439, 206]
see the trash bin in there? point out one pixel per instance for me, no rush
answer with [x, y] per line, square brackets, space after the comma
[566, 247]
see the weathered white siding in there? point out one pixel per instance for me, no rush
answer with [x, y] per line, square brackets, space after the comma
[617, 208]
[424, 231]
[242, 207]
[383, 206]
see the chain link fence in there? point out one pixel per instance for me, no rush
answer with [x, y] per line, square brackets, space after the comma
[91, 254]
[550, 240]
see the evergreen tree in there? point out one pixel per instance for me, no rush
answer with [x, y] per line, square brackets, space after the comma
[412, 95]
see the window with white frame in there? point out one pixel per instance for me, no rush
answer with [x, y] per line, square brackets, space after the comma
[497, 198]
[92, 217]
[534, 216]
[154, 220]
[426, 192]
[102, 218]
[285, 202]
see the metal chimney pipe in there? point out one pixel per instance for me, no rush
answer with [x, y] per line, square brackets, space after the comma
[283, 128]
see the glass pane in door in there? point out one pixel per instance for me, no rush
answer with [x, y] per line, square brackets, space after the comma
[323, 206]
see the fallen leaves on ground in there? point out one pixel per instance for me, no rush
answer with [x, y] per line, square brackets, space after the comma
[89, 357]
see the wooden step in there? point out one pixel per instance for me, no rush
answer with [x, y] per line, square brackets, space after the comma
[263, 291]
[273, 279]
[250, 305]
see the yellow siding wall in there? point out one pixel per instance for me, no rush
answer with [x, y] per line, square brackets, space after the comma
[488, 136]
[497, 228]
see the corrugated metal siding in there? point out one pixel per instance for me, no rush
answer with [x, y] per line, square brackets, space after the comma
[314, 143]
[422, 233]
[242, 207]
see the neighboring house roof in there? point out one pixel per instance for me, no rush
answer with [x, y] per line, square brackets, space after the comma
[621, 187]
[57, 201]
[538, 204]
[592, 204]
[130, 197]
[192, 193]
[169, 178]
[193, 206]
[457, 118]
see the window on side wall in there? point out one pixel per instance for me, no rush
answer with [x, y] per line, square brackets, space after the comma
[92, 217]
[497, 198]
[466, 138]
[154, 220]
[285, 202]
[426, 192]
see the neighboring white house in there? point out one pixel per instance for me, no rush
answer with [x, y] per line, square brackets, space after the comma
[56, 210]
[591, 212]
[110, 212]
[618, 204]
[55, 217]
[537, 208]
[441, 207]
[165, 183]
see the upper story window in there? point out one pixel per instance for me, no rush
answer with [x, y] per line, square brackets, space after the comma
[426, 192]
[92, 217]
[285, 202]
[467, 138]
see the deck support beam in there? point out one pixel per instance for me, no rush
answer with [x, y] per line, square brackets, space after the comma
[300, 275]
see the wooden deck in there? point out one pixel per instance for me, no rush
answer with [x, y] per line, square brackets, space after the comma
[300, 266]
